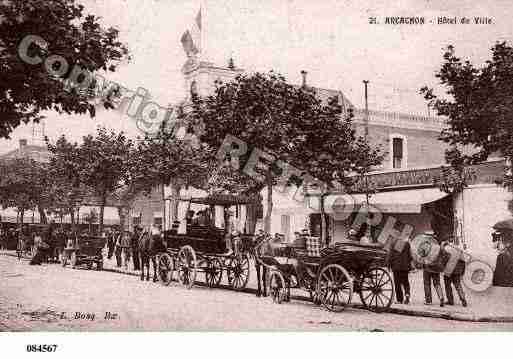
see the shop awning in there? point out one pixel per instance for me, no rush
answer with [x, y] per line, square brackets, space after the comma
[406, 201]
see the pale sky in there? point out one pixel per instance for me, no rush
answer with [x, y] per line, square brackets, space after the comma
[331, 39]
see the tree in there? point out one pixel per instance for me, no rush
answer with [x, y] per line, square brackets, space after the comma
[103, 164]
[478, 105]
[21, 185]
[66, 189]
[26, 89]
[162, 159]
[291, 123]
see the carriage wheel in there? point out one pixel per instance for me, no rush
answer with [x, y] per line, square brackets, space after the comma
[73, 259]
[277, 287]
[187, 266]
[165, 268]
[213, 272]
[377, 289]
[334, 287]
[238, 272]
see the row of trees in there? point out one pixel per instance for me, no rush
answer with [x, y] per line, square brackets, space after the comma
[290, 123]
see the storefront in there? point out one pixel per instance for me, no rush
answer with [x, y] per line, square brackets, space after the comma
[410, 202]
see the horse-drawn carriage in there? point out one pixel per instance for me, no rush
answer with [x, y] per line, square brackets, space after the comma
[331, 275]
[210, 243]
[84, 249]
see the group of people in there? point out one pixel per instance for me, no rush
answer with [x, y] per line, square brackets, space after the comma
[401, 263]
[42, 243]
[124, 246]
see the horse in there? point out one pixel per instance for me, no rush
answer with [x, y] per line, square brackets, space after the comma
[260, 243]
[150, 245]
[263, 253]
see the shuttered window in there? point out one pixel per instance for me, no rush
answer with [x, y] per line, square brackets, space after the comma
[398, 151]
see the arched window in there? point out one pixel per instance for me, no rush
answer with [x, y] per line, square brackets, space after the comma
[398, 151]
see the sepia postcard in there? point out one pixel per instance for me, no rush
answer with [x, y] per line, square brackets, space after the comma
[235, 166]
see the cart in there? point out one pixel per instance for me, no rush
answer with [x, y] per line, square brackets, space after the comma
[86, 250]
[203, 248]
[331, 276]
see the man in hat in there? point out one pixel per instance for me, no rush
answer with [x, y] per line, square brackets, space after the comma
[135, 246]
[503, 274]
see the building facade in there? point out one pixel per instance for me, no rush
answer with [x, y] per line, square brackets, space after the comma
[407, 191]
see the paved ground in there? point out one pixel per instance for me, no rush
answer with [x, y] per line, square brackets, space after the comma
[493, 304]
[47, 298]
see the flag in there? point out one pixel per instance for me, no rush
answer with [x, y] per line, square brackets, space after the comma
[191, 39]
[198, 19]
[188, 44]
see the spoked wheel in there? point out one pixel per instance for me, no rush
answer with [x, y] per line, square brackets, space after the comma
[165, 268]
[334, 287]
[277, 287]
[238, 272]
[187, 266]
[377, 289]
[213, 272]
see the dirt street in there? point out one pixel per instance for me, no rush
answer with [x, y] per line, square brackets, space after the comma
[52, 298]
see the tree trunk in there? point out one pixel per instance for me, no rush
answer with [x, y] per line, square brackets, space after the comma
[72, 217]
[122, 217]
[251, 217]
[22, 215]
[267, 220]
[102, 212]
[323, 222]
[42, 215]
[175, 193]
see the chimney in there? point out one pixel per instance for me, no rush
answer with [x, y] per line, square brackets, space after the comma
[23, 143]
[303, 73]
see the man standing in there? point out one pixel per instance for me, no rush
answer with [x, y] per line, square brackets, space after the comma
[455, 277]
[126, 247]
[111, 243]
[118, 248]
[135, 246]
[400, 263]
[430, 274]
[503, 274]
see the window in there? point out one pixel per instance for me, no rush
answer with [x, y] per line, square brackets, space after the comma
[398, 151]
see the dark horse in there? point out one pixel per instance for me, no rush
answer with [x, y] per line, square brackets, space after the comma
[260, 244]
[149, 246]
[263, 253]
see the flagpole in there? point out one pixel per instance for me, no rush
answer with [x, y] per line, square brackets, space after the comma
[202, 29]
